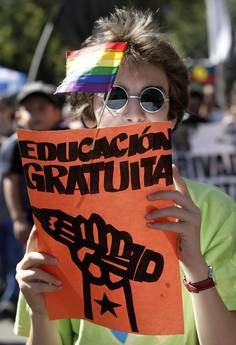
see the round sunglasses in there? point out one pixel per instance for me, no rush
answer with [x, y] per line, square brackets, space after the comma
[151, 99]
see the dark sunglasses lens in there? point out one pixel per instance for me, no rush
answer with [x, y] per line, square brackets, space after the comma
[117, 98]
[152, 99]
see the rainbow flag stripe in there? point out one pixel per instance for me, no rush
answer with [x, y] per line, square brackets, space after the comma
[92, 69]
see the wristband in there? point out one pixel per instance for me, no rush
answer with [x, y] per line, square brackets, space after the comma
[201, 285]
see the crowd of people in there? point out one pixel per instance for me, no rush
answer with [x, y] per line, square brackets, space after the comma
[204, 144]
[204, 235]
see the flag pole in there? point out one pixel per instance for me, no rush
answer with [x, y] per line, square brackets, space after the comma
[103, 108]
[100, 116]
[41, 46]
[95, 137]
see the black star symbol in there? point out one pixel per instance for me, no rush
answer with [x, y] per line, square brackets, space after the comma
[107, 305]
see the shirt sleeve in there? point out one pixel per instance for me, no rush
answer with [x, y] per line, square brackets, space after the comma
[221, 254]
[22, 320]
[22, 323]
[218, 240]
[10, 157]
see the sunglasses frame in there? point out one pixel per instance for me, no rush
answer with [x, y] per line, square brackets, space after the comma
[165, 99]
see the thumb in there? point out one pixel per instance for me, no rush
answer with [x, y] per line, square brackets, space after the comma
[179, 182]
[32, 242]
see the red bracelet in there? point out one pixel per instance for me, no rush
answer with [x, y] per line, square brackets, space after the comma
[201, 285]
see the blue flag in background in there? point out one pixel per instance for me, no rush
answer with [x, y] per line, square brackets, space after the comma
[11, 81]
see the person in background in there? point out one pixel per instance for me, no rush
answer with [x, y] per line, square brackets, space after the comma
[192, 119]
[10, 250]
[230, 117]
[37, 109]
[205, 216]
[205, 150]
[211, 109]
[7, 124]
[228, 135]
[196, 102]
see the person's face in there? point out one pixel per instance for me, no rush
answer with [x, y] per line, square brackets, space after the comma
[195, 104]
[134, 78]
[37, 113]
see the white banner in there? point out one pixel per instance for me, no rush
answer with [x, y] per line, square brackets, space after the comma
[219, 30]
[208, 154]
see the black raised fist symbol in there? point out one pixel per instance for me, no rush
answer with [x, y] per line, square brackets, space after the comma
[93, 243]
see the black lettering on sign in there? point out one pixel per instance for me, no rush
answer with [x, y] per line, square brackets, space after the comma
[47, 151]
[34, 180]
[26, 148]
[99, 177]
[162, 170]
[88, 148]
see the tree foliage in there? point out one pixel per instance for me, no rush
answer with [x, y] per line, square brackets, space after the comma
[22, 21]
[21, 24]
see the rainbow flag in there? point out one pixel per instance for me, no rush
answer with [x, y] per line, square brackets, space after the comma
[92, 69]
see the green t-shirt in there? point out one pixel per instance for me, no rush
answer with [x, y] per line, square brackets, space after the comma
[218, 245]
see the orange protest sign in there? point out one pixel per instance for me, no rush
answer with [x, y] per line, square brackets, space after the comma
[88, 191]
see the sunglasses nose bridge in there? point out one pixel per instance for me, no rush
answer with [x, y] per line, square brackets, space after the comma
[133, 97]
[133, 104]
[133, 112]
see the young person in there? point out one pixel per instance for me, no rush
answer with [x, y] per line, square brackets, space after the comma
[206, 216]
[37, 109]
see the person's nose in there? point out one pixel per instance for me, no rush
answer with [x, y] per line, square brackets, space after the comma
[133, 113]
[36, 113]
[32, 111]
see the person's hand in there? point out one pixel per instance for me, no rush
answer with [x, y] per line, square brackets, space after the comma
[32, 280]
[21, 228]
[187, 224]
